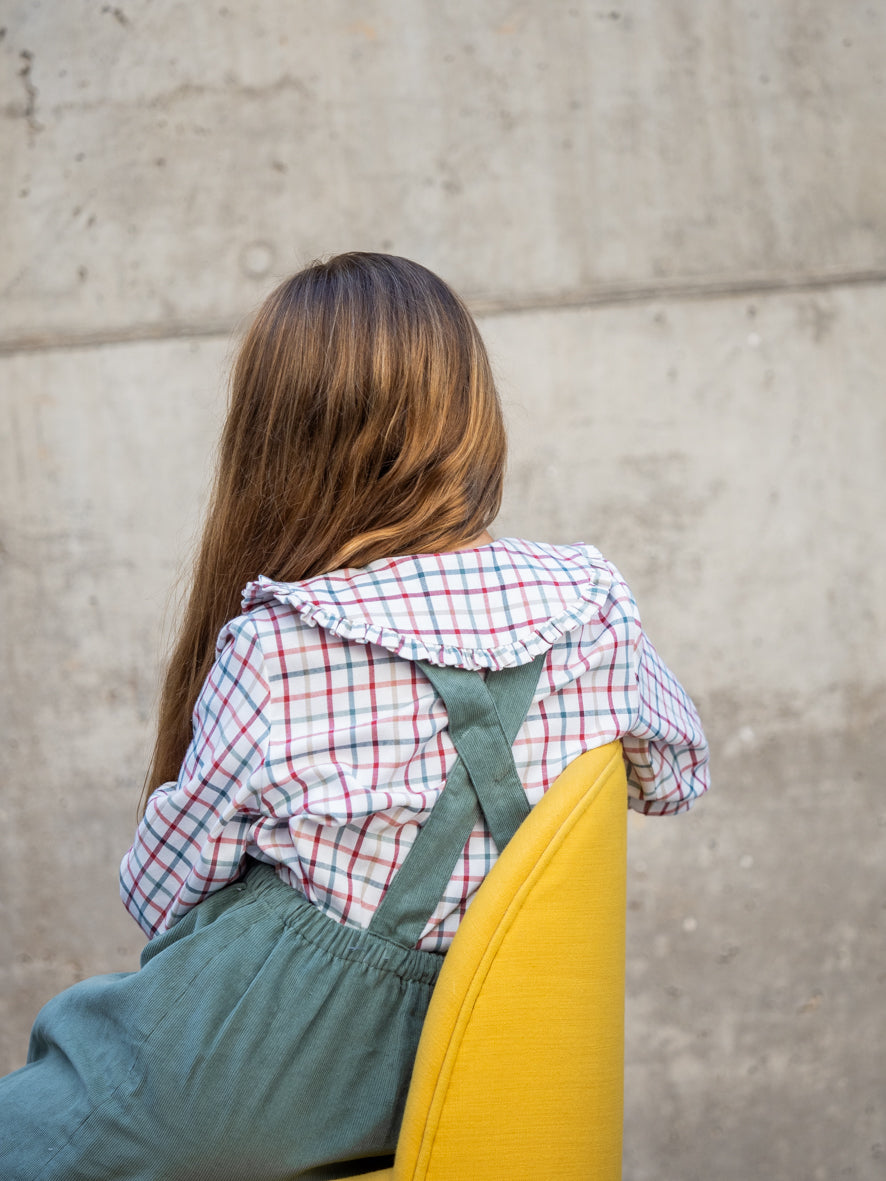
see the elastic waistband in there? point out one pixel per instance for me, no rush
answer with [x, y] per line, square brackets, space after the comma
[347, 943]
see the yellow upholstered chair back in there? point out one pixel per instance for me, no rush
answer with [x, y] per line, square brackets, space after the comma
[520, 1068]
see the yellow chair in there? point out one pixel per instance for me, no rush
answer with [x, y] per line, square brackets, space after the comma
[520, 1069]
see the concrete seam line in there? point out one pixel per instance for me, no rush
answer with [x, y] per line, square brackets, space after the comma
[480, 305]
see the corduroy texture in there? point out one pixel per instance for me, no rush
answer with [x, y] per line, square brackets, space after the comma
[259, 1038]
[520, 1069]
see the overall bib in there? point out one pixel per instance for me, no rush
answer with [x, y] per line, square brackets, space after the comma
[261, 1039]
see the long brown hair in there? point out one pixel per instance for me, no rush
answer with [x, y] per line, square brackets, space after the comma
[363, 422]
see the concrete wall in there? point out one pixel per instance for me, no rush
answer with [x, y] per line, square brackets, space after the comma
[670, 220]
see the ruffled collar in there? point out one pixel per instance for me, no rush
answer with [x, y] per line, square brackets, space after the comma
[496, 606]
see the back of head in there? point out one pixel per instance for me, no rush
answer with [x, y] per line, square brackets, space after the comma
[363, 423]
[364, 420]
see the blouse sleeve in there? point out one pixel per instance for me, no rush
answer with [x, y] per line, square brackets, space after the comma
[196, 832]
[665, 749]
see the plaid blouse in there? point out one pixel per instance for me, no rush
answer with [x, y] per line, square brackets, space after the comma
[320, 747]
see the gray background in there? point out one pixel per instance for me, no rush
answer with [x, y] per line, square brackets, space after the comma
[670, 220]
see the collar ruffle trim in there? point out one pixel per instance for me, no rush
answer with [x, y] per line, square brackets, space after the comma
[576, 600]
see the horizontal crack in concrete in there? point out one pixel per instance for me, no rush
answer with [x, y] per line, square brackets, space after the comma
[481, 305]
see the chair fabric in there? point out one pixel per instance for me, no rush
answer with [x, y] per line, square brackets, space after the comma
[520, 1068]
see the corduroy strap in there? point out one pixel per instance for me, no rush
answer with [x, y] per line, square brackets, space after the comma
[484, 717]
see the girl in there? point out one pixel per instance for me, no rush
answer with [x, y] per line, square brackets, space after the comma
[271, 1029]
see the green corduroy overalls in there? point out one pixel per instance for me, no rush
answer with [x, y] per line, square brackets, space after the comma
[260, 1038]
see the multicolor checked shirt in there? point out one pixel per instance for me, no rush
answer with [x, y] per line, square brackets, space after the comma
[319, 746]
